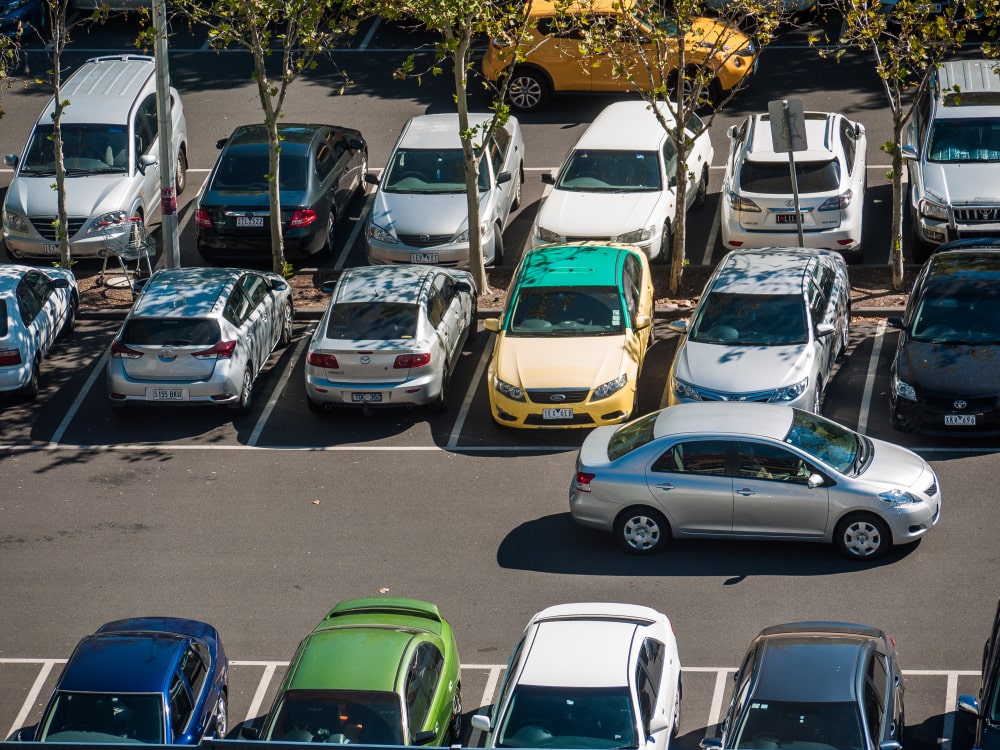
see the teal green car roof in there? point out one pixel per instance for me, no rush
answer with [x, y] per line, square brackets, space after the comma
[350, 658]
[571, 265]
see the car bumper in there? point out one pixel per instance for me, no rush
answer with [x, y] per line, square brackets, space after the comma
[413, 392]
[587, 510]
[12, 378]
[842, 239]
[534, 416]
[650, 247]
[452, 254]
[219, 389]
[908, 523]
[939, 414]
[297, 243]
[20, 245]
[934, 232]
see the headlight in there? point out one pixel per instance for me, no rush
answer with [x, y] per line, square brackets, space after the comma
[463, 236]
[510, 391]
[610, 388]
[684, 391]
[14, 222]
[111, 217]
[903, 390]
[933, 210]
[638, 235]
[790, 392]
[897, 497]
[547, 235]
[379, 234]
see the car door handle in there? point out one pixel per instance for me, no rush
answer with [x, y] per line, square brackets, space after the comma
[746, 491]
[665, 486]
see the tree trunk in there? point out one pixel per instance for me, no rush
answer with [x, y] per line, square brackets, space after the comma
[896, 258]
[274, 149]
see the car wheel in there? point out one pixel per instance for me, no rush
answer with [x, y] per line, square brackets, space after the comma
[473, 323]
[862, 537]
[675, 730]
[287, 327]
[666, 244]
[221, 718]
[70, 325]
[701, 194]
[519, 181]
[441, 402]
[362, 188]
[845, 335]
[921, 250]
[528, 90]
[331, 233]
[497, 246]
[180, 179]
[642, 531]
[316, 408]
[242, 405]
[902, 423]
[29, 391]
[455, 728]
[817, 397]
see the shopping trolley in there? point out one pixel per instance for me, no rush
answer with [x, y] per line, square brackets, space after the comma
[126, 239]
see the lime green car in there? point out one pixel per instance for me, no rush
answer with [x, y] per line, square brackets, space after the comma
[375, 671]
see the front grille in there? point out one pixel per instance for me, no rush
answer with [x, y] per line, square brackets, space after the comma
[978, 215]
[756, 397]
[947, 404]
[424, 240]
[43, 225]
[589, 239]
[572, 396]
[578, 419]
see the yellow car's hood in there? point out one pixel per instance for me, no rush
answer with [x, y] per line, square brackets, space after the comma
[562, 362]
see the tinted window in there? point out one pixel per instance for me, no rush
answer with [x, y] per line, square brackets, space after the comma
[631, 435]
[4, 325]
[430, 171]
[194, 670]
[648, 675]
[181, 705]
[238, 307]
[568, 717]
[775, 178]
[756, 319]
[365, 320]
[135, 716]
[171, 331]
[706, 457]
[964, 140]
[763, 461]
[611, 171]
[772, 724]
[245, 168]
[337, 715]
[549, 311]
[27, 301]
[964, 312]
[421, 681]
[145, 125]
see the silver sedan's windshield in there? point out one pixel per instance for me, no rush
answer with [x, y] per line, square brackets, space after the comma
[751, 319]
[417, 170]
[836, 446]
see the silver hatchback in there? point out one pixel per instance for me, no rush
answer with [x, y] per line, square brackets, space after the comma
[751, 471]
[199, 336]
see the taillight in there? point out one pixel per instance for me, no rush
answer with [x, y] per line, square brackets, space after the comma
[840, 202]
[202, 219]
[739, 203]
[222, 350]
[583, 480]
[409, 361]
[10, 357]
[302, 217]
[119, 350]
[319, 359]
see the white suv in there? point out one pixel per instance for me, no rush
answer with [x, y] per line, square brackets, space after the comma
[758, 207]
[952, 147]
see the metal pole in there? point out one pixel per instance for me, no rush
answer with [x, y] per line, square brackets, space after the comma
[791, 167]
[168, 164]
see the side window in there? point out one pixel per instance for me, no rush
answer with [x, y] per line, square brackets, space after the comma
[436, 304]
[325, 160]
[421, 679]
[508, 679]
[742, 689]
[670, 160]
[878, 673]
[255, 288]
[848, 141]
[28, 303]
[874, 711]
[632, 285]
[194, 669]
[705, 457]
[648, 673]
[41, 284]
[181, 706]
[817, 302]
[764, 461]
[145, 125]
[923, 115]
[238, 307]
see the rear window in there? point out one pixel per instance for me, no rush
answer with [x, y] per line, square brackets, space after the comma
[171, 331]
[364, 320]
[631, 435]
[776, 178]
[245, 168]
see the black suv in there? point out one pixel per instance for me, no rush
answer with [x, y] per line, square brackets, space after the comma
[986, 708]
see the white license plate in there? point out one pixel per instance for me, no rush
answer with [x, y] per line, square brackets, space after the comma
[250, 221]
[960, 420]
[423, 257]
[366, 397]
[557, 413]
[167, 394]
[52, 249]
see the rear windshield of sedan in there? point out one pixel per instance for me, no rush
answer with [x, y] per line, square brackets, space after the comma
[171, 331]
[775, 178]
[822, 726]
[418, 170]
[631, 435]
[366, 717]
[836, 446]
[568, 717]
[365, 320]
[751, 319]
[575, 311]
[245, 168]
[614, 171]
[102, 717]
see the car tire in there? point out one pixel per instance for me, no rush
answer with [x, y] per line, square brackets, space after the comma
[528, 90]
[29, 391]
[862, 536]
[244, 402]
[519, 182]
[221, 717]
[287, 327]
[497, 246]
[329, 241]
[675, 730]
[316, 408]
[818, 397]
[701, 194]
[70, 325]
[473, 332]
[641, 530]
[362, 188]
[666, 244]
[180, 179]
[455, 727]
[440, 404]
[845, 336]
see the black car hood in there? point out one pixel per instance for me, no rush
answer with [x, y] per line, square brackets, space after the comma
[962, 369]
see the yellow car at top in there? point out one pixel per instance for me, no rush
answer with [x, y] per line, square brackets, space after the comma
[556, 62]
[572, 337]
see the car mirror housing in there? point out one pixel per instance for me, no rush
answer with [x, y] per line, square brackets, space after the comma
[25, 735]
[548, 178]
[355, 144]
[825, 329]
[890, 745]
[424, 738]
[658, 723]
[221, 142]
[681, 326]
[894, 322]
[492, 324]
[372, 178]
[329, 286]
[814, 481]
[10, 160]
[146, 161]
[908, 152]
[967, 704]
[481, 722]
[711, 743]
[504, 177]
[642, 321]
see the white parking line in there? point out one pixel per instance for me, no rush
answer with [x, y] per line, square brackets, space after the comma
[278, 390]
[951, 695]
[29, 701]
[475, 736]
[715, 712]
[78, 401]
[866, 398]
[258, 696]
[477, 376]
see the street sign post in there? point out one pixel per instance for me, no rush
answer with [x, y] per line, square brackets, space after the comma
[788, 133]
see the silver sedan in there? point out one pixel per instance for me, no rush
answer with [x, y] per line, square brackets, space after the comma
[751, 471]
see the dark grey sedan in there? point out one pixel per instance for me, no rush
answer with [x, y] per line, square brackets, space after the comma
[321, 169]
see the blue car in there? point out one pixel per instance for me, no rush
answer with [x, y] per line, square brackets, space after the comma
[157, 680]
[28, 15]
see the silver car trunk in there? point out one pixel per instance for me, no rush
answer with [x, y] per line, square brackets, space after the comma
[168, 346]
[369, 361]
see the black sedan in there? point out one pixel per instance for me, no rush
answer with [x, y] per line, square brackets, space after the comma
[321, 169]
[986, 708]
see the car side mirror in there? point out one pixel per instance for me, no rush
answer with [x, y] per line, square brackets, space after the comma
[139, 285]
[250, 732]
[890, 745]
[27, 734]
[824, 329]
[60, 283]
[492, 324]
[480, 722]
[329, 286]
[731, 131]
[967, 704]
[372, 179]
[681, 326]
[814, 481]
[548, 178]
[894, 322]
[277, 285]
[355, 144]
[10, 160]
[504, 177]
[424, 738]
[658, 723]
[465, 286]
[642, 321]
[711, 743]
[145, 162]
[908, 152]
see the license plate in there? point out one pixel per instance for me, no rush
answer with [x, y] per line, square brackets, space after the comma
[423, 257]
[52, 249]
[366, 397]
[557, 413]
[785, 218]
[256, 222]
[960, 420]
[167, 394]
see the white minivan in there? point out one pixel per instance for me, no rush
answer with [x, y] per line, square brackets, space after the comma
[111, 156]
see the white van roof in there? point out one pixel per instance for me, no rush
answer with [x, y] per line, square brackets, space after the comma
[103, 89]
[626, 126]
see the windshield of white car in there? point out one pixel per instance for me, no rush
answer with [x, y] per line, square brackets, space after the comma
[92, 717]
[568, 717]
[87, 149]
[356, 321]
[418, 170]
[835, 445]
[566, 311]
[338, 717]
[964, 139]
[733, 319]
[958, 315]
[600, 171]
[775, 178]
[771, 724]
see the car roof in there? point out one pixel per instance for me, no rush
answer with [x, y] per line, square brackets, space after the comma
[967, 88]
[818, 139]
[188, 292]
[440, 131]
[350, 658]
[401, 284]
[292, 133]
[627, 125]
[103, 89]
[728, 418]
[575, 264]
[765, 271]
[122, 662]
[581, 652]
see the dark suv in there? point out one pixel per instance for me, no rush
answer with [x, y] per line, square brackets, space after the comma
[986, 708]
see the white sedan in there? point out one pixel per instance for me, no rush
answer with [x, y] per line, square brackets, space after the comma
[36, 307]
[589, 675]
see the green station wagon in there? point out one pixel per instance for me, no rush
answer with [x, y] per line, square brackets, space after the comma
[375, 671]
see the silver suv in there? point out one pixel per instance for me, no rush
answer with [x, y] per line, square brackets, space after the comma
[952, 147]
[110, 151]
